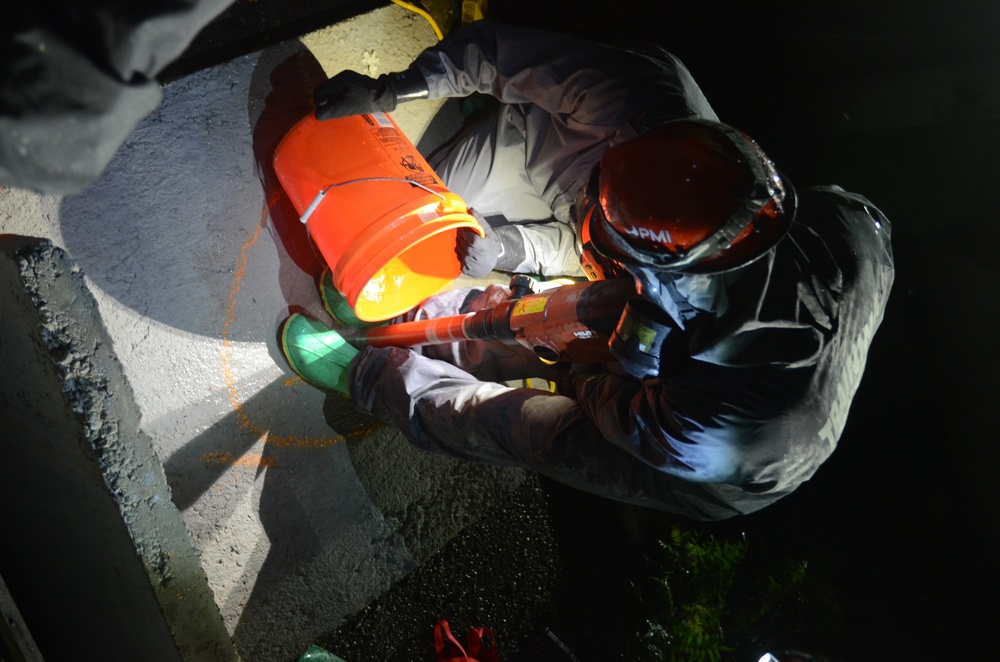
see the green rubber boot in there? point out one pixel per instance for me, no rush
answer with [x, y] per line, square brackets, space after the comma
[317, 354]
[336, 304]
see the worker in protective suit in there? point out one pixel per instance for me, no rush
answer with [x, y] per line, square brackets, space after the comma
[739, 356]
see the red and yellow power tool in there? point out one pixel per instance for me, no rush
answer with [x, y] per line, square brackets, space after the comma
[570, 323]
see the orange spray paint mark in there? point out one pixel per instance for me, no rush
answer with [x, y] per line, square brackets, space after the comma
[246, 461]
[235, 400]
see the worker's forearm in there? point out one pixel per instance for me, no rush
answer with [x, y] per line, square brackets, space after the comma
[549, 249]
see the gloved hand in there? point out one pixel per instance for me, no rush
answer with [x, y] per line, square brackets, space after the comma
[571, 375]
[502, 248]
[317, 354]
[351, 93]
[478, 255]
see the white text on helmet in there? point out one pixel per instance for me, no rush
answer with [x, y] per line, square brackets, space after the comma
[659, 236]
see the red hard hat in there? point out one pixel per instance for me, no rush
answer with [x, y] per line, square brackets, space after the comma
[689, 196]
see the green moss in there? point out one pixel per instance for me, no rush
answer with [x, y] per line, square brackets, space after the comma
[712, 600]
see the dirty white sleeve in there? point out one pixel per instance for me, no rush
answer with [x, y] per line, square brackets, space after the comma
[550, 249]
[563, 75]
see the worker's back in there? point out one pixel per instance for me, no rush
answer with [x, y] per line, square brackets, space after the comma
[759, 394]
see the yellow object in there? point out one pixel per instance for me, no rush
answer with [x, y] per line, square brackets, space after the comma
[473, 10]
[540, 384]
[414, 8]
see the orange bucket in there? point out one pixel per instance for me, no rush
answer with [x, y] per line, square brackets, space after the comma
[381, 218]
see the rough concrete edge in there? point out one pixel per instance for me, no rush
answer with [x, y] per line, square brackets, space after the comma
[96, 388]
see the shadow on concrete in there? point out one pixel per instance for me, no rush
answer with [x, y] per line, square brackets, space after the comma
[166, 225]
[284, 77]
[322, 546]
[161, 229]
[317, 553]
[196, 467]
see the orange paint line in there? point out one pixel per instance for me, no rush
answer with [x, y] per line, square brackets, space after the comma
[248, 461]
[226, 357]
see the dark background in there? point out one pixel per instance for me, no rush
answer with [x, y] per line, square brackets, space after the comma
[894, 100]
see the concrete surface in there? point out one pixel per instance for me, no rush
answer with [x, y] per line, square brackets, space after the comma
[295, 505]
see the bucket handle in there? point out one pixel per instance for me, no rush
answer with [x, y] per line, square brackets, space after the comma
[322, 192]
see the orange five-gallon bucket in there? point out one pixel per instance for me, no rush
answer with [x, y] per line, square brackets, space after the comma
[381, 218]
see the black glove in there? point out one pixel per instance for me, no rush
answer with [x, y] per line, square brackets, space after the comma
[351, 93]
[569, 375]
[501, 249]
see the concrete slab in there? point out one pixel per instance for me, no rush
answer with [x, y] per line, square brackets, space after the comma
[301, 511]
[97, 556]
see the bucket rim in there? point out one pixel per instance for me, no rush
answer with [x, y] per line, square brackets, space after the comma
[357, 268]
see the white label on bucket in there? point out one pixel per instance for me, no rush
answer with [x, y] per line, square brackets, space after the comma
[427, 215]
[382, 120]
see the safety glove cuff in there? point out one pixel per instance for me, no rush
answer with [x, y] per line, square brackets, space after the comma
[406, 85]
